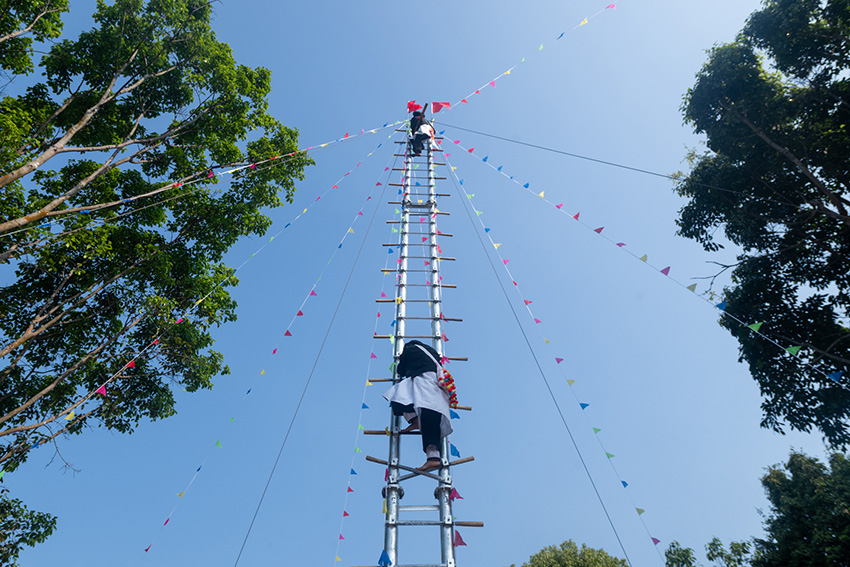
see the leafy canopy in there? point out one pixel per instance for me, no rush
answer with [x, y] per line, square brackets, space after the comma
[568, 554]
[775, 109]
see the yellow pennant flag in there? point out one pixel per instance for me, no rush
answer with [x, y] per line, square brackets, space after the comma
[70, 416]
[263, 371]
[508, 72]
[180, 495]
[304, 211]
[643, 258]
[350, 231]
[453, 168]
[692, 287]
[398, 301]
[368, 383]
[584, 21]
[541, 194]
[496, 245]
[337, 558]
[570, 382]
[384, 507]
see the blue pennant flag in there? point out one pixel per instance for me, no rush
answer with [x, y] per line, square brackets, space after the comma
[486, 230]
[485, 158]
[625, 484]
[392, 324]
[287, 225]
[340, 245]
[353, 471]
[835, 375]
[560, 36]
[199, 469]
[364, 407]
[583, 405]
[384, 561]
[248, 392]
[390, 250]
[454, 451]
[499, 168]
[461, 181]
[526, 185]
[453, 414]
[721, 306]
[442, 132]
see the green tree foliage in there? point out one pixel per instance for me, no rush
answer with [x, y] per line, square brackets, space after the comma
[20, 526]
[568, 554]
[808, 524]
[21, 22]
[113, 148]
[775, 109]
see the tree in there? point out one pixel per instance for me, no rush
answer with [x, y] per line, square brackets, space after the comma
[112, 219]
[21, 22]
[19, 527]
[808, 524]
[776, 179]
[569, 555]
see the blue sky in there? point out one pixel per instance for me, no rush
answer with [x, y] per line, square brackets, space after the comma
[677, 410]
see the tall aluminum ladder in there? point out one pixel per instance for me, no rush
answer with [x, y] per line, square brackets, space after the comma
[420, 258]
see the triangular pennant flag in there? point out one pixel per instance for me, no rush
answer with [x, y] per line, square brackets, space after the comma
[598, 230]
[547, 341]
[541, 194]
[299, 314]
[571, 382]
[384, 561]
[349, 489]
[575, 216]
[666, 271]
[794, 350]
[101, 390]
[526, 185]
[625, 484]
[538, 321]
[721, 306]
[835, 375]
[132, 363]
[383, 294]
[756, 326]
[505, 262]
[438, 106]
[148, 548]
[692, 287]
[584, 21]
[70, 416]
[313, 292]
[373, 355]
[357, 450]
[364, 406]
[527, 301]
[274, 351]
[455, 495]
[412, 106]
[262, 372]
[656, 541]
[454, 451]
[596, 430]
[340, 537]
[559, 360]
[643, 258]
[453, 414]
[218, 443]
[368, 383]
[345, 514]
[559, 206]
[640, 511]
[287, 333]
[338, 558]
[350, 231]
[180, 494]
[496, 245]
[458, 541]
[609, 455]
[583, 405]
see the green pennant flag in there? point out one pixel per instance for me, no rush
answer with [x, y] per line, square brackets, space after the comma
[596, 430]
[357, 450]
[395, 230]
[232, 419]
[794, 350]
[570, 381]
[756, 326]
[360, 426]
[640, 511]
[218, 443]
[644, 258]
[693, 287]
[609, 455]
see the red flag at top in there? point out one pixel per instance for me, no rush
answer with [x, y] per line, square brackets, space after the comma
[438, 106]
[412, 106]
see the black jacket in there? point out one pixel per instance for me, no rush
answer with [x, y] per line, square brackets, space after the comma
[415, 123]
[414, 362]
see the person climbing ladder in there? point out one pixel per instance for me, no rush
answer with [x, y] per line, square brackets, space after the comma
[421, 400]
[420, 131]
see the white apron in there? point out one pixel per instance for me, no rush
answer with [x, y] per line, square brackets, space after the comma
[423, 391]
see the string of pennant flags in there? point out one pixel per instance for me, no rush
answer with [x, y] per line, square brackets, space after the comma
[527, 303]
[287, 333]
[709, 296]
[193, 179]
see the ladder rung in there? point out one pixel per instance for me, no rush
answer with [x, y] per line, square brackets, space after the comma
[426, 234]
[445, 285]
[421, 523]
[421, 508]
[419, 205]
[409, 244]
[411, 301]
[406, 337]
[458, 358]
[403, 169]
[433, 319]
[430, 258]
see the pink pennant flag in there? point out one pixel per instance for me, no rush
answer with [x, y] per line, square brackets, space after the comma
[386, 475]
[621, 244]
[559, 206]
[493, 84]
[455, 495]
[538, 321]
[444, 360]
[346, 135]
[383, 294]
[438, 106]
[575, 216]
[180, 320]
[299, 314]
[101, 390]
[317, 198]
[340, 536]
[287, 333]
[386, 169]
[335, 187]
[527, 301]
[359, 213]
[458, 541]
[610, 7]
[655, 541]
[427, 263]
[274, 351]
[457, 141]
[373, 355]
[598, 230]
[666, 271]
[424, 239]
[253, 166]
[445, 338]
[378, 183]
[313, 292]
[559, 360]
[505, 262]
[210, 174]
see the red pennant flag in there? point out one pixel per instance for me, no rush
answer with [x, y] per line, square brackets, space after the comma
[412, 106]
[287, 333]
[470, 150]
[598, 230]
[575, 216]
[455, 494]
[299, 314]
[466, 101]
[346, 135]
[131, 364]
[478, 92]
[253, 166]
[166, 522]
[155, 342]
[345, 514]
[335, 187]
[274, 351]
[349, 489]
[340, 536]
[559, 360]
[656, 541]
[427, 263]
[379, 313]
[147, 548]
[313, 292]
[210, 174]
[527, 301]
[445, 338]
[377, 184]
[666, 271]
[458, 541]
[383, 294]
[373, 355]
[438, 106]
[101, 390]
[424, 239]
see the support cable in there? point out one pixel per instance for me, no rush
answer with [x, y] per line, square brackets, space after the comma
[542, 373]
[309, 379]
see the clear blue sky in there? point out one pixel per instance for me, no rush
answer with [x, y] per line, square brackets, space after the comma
[677, 410]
